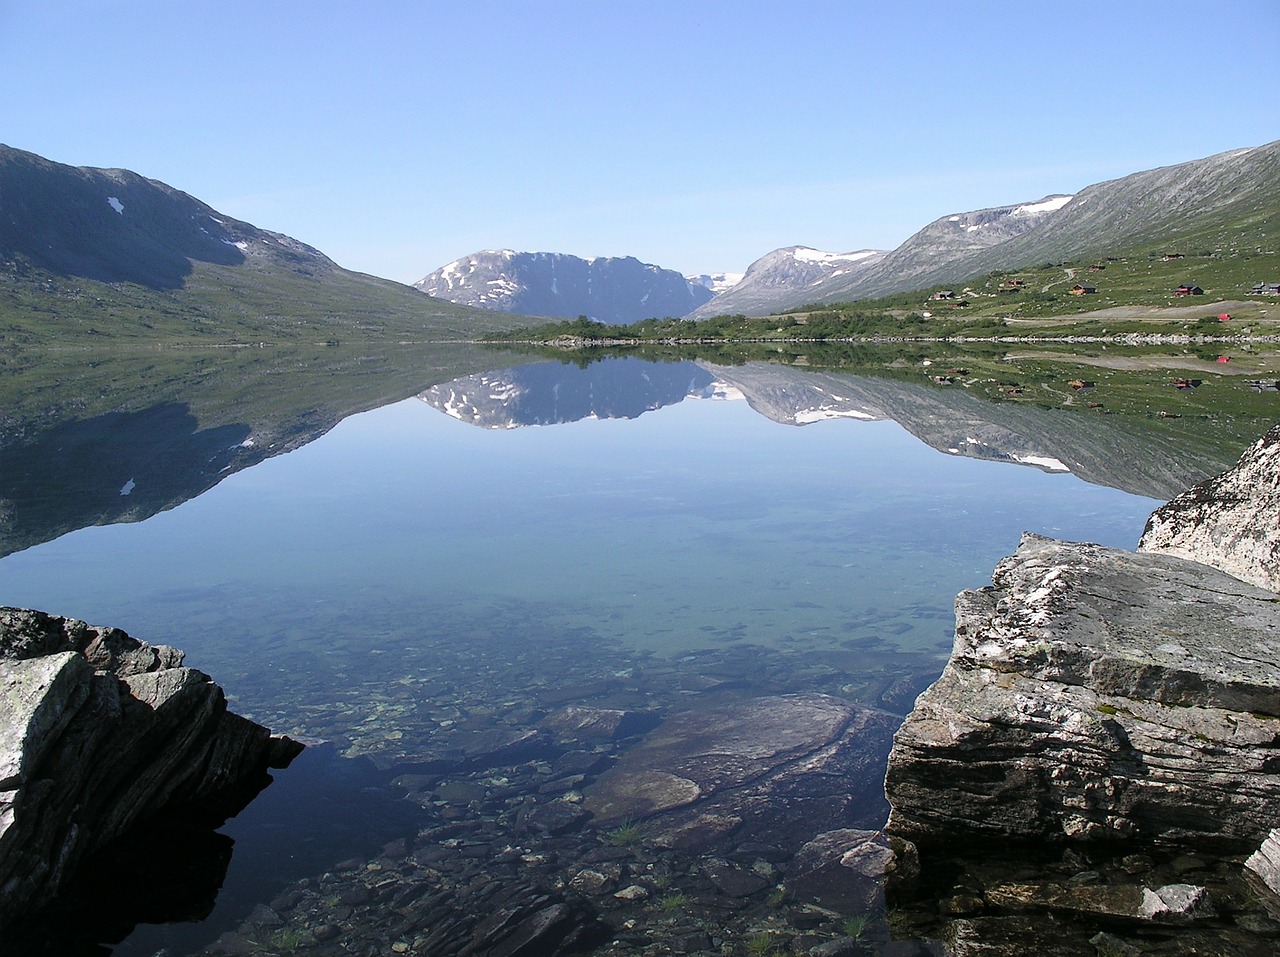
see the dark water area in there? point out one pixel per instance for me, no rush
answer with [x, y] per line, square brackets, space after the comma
[598, 649]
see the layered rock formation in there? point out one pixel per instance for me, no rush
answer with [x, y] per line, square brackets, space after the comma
[1098, 693]
[99, 731]
[1109, 702]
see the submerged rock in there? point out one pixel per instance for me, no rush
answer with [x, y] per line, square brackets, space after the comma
[773, 769]
[99, 731]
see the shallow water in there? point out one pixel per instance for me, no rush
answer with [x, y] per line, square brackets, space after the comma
[409, 578]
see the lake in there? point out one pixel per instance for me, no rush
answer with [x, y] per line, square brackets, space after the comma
[431, 585]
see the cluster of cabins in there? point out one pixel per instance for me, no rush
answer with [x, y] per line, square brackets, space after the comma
[1009, 286]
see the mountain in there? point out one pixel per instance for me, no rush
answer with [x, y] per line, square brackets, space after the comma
[613, 290]
[112, 225]
[951, 239]
[107, 252]
[1205, 202]
[786, 277]
[1152, 207]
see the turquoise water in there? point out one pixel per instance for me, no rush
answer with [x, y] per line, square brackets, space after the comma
[409, 571]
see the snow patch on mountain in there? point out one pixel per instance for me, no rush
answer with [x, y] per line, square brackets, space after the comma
[1050, 205]
[717, 282]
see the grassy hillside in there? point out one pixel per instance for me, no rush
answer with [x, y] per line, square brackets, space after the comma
[1224, 258]
[1213, 201]
[91, 255]
[228, 304]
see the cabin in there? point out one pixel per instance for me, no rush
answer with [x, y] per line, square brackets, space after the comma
[1097, 267]
[1185, 290]
[1168, 256]
[1012, 285]
[1266, 289]
[942, 294]
[1082, 289]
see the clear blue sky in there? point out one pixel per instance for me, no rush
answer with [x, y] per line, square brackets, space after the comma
[397, 136]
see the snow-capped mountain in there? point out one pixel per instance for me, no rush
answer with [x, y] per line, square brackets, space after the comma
[614, 290]
[786, 276]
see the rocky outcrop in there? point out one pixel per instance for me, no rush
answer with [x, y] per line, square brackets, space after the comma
[1231, 522]
[1265, 861]
[1098, 693]
[99, 731]
[1093, 695]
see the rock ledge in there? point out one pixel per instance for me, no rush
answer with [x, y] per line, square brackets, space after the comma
[1097, 693]
[98, 731]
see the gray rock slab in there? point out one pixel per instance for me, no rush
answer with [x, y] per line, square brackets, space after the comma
[1265, 861]
[1097, 693]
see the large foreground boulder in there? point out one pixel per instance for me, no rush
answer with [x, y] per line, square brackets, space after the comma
[99, 731]
[1098, 693]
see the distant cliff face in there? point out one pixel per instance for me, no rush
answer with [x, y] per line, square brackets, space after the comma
[614, 290]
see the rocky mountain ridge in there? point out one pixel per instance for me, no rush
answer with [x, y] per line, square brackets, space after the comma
[113, 225]
[1149, 206]
[608, 289]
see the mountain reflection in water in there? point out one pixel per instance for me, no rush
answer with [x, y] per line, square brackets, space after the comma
[490, 626]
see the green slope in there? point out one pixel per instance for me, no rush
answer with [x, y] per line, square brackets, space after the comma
[91, 254]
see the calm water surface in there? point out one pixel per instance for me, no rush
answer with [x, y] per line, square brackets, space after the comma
[410, 571]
